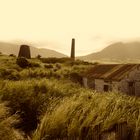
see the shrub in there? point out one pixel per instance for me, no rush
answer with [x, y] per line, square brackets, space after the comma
[49, 60]
[22, 62]
[4, 72]
[12, 55]
[95, 63]
[76, 77]
[54, 60]
[55, 69]
[10, 74]
[14, 76]
[48, 66]
[38, 56]
[58, 66]
[34, 64]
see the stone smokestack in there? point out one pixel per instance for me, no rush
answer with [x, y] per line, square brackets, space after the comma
[73, 49]
[24, 51]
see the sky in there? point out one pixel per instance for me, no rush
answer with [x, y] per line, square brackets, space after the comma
[53, 23]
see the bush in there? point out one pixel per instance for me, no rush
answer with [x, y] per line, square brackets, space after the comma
[14, 76]
[34, 64]
[48, 66]
[38, 56]
[49, 60]
[58, 66]
[10, 74]
[5, 72]
[22, 62]
[54, 60]
[12, 55]
[76, 77]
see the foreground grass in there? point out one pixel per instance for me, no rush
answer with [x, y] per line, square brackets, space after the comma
[7, 122]
[88, 110]
[47, 100]
[32, 98]
[62, 107]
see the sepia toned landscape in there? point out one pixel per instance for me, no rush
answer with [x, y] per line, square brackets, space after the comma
[69, 70]
[47, 98]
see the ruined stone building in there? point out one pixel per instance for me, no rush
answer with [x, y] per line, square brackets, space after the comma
[123, 78]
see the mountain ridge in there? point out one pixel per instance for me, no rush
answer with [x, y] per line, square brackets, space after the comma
[118, 51]
[11, 48]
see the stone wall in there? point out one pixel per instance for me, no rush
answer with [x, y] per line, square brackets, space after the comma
[116, 86]
[133, 76]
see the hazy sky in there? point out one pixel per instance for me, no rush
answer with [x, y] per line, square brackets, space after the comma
[52, 23]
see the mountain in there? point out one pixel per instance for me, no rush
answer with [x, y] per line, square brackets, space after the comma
[116, 52]
[9, 48]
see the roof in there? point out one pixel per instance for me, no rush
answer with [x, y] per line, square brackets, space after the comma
[114, 72]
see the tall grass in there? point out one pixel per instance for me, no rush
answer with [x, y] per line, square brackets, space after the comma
[7, 122]
[31, 98]
[88, 110]
[51, 102]
[58, 68]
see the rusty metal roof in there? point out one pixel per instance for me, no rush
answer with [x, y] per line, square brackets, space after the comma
[109, 72]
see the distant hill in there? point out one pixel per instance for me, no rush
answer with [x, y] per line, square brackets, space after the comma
[116, 52]
[9, 48]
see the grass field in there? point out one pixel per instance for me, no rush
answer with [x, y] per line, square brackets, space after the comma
[46, 97]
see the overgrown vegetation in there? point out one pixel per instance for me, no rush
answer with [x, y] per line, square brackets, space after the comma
[22, 62]
[46, 98]
[89, 109]
[31, 98]
[7, 123]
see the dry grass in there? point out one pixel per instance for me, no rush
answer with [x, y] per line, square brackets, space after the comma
[90, 109]
[39, 93]
[7, 122]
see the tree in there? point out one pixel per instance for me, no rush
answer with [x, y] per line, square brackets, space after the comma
[38, 56]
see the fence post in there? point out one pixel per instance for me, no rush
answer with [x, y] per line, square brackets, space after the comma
[84, 133]
[121, 131]
[137, 136]
[96, 133]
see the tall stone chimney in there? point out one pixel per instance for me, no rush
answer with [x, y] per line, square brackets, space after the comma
[73, 49]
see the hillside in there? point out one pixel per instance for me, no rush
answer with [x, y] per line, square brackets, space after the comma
[9, 48]
[47, 99]
[116, 52]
